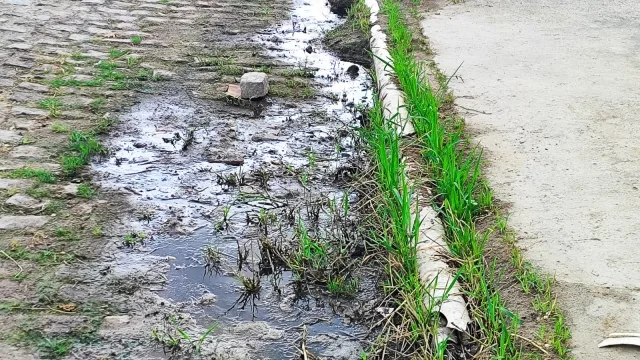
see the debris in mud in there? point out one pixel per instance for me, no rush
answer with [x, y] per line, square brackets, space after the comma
[340, 7]
[254, 85]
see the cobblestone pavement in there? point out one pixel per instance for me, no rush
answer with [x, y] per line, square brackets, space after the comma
[72, 66]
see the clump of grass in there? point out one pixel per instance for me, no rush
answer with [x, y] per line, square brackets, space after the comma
[117, 53]
[53, 207]
[339, 286]
[56, 83]
[97, 231]
[230, 70]
[77, 55]
[82, 147]
[52, 104]
[43, 176]
[65, 234]
[59, 128]
[86, 191]
[37, 191]
[133, 238]
[136, 40]
[359, 17]
[97, 105]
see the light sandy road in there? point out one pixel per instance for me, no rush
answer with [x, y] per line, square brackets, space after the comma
[555, 92]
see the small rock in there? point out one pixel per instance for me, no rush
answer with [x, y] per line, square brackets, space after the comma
[22, 222]
[23, 201]
[139, 145]
[254, 85]
[353, 71]
[265, 137]
[309, 49]
[207, 299]
[69, 190]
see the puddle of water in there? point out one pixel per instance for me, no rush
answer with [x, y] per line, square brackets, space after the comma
[184, 198]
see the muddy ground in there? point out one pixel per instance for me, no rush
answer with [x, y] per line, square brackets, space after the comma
[547, 88]
[192, 217]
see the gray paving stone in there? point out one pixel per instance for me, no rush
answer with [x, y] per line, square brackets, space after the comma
[99, 2]
[23, 202]
[15, 183]
[9, 137]
[124, 18]
[25, 111]
[6, 82]
[33, 86]
[13, 28]
[25, 96]
[28, 152]
[22, 222]
[25, 124]
[19, 46]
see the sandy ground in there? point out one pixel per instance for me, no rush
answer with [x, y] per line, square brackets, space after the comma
[550, 89]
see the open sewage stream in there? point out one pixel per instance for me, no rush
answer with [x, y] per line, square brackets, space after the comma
[250, 202]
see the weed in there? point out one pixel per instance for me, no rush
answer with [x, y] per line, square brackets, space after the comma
[212, 258]
[55, 348]
[177, 341]
[265, 69]
[53, 104]
[43, 176]
[53, 207]
[97, 105]
[86, 191]
[82, 147]
[136, 40]
[132, 61]
[56, 83]
[339, 286]
[223, 224]
[230, 70]
[133, 238]
[38, 192]
[59, 128]
[359, 17]
[104, 124]
[78, 56]
[117, 53]
[263, 176]
[301, 72]
[65, 234]
[97, 231]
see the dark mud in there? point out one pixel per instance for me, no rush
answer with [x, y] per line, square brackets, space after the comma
[223, 190]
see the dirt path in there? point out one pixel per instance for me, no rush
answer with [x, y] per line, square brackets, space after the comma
[550, 90]
[170, 225]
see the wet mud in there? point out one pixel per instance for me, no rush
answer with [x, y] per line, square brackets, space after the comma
[224, 191]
